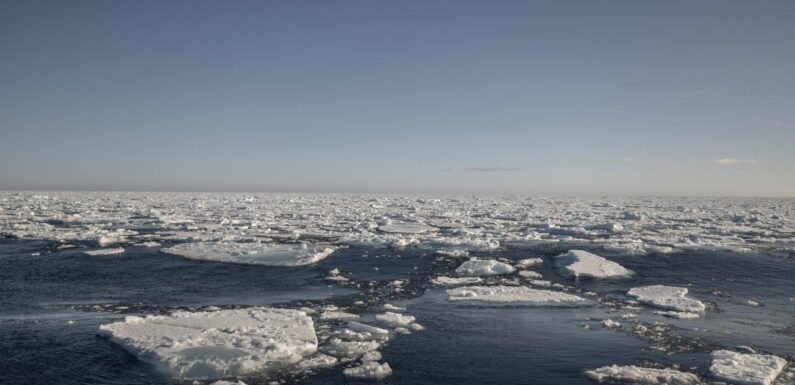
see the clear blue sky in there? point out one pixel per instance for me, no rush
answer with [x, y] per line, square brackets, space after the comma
[623, 97]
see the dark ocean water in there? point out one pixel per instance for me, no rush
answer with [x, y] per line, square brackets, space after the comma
[51, 305]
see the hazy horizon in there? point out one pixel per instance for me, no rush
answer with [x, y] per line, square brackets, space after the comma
[561, 98]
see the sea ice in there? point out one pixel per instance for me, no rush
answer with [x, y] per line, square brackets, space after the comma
[529, 262]
[455, 281]
[512, 294]
[252, 253]
[217, 344]
[369, 370]
[640, 375]
[745, 369]
[114, 251]
[395, 319]
[484, 267]
[404, 228]
[580, 263]
[667, 298]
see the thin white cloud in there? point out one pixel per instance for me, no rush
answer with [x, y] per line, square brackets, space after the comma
[732, 161]
[491, 169]
[629, 159]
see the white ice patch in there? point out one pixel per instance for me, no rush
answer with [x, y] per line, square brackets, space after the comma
[395, 319]
[513, 294]
[455, 281]
[640, 375]
[529, 262]
[404, 228]
[252, 253]
[483, 267]
[369, 370]
[667, 298]
[579, 263]
[745, 369]
[99, 252]
[217, 344]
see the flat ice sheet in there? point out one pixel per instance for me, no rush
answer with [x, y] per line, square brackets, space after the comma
[745, 369]
[640, 375]
[667, 298]
[484, 267]
[513, 294]
[252, 253]
[217, 344]
[580, 263]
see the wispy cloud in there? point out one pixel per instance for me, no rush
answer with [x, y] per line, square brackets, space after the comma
[731, 161]
[491, 169]
[629, 159]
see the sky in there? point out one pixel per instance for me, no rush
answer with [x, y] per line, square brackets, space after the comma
[538, 97]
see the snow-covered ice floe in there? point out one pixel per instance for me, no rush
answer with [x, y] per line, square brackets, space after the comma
[217, 344]
[455, 281]
[253, 253]
[667, 298]
[99, 252]
[484, 267]
[580, 263]
[514, 295]
[404, 228]
[640, 375]
[369, 370]
[745, 369]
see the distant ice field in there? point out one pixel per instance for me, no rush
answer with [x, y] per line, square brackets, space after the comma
[393, 289]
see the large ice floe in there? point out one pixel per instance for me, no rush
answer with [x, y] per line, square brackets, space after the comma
[667, 298]
[582, 264]
[484, 267]
[745, 368]
[640, 375]
[513, 295]
[217, 344]
[253, 253]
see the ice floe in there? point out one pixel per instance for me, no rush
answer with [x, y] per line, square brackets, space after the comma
[99, 252]
[640, 375]
[745, 369]
[455, 281]
[217, 344]
[512, 294]
[253, 253]
[580, 263]
[368, 371]
[484, 267]
[667, 298]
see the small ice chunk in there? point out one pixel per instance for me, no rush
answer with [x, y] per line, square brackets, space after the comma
[677, 314]
[455, 281]
[529, 262]
[225, 382]
[338, 315]
[640, 375]
[529, 274]
[349, 349]
[362, 328]
[389, 306]
[217, 344]
[404, 228]
[395, 319]
[512, 294]
[745, 369]
[253, 253]
[580, 263]
[667, 298]
[113, 251]
[484, 267]
[608, 323]
[369, 370]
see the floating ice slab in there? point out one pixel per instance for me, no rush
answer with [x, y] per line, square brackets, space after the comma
[484, 267]
[369, 370]
[529, 262]
[580, 263]
[404, 228]
[275, 254]
[745, 369]
[640, 375]
[395, 319]
[667, 298]
[113, 251]
[455, 281]
[513, 294]
[217, 344]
